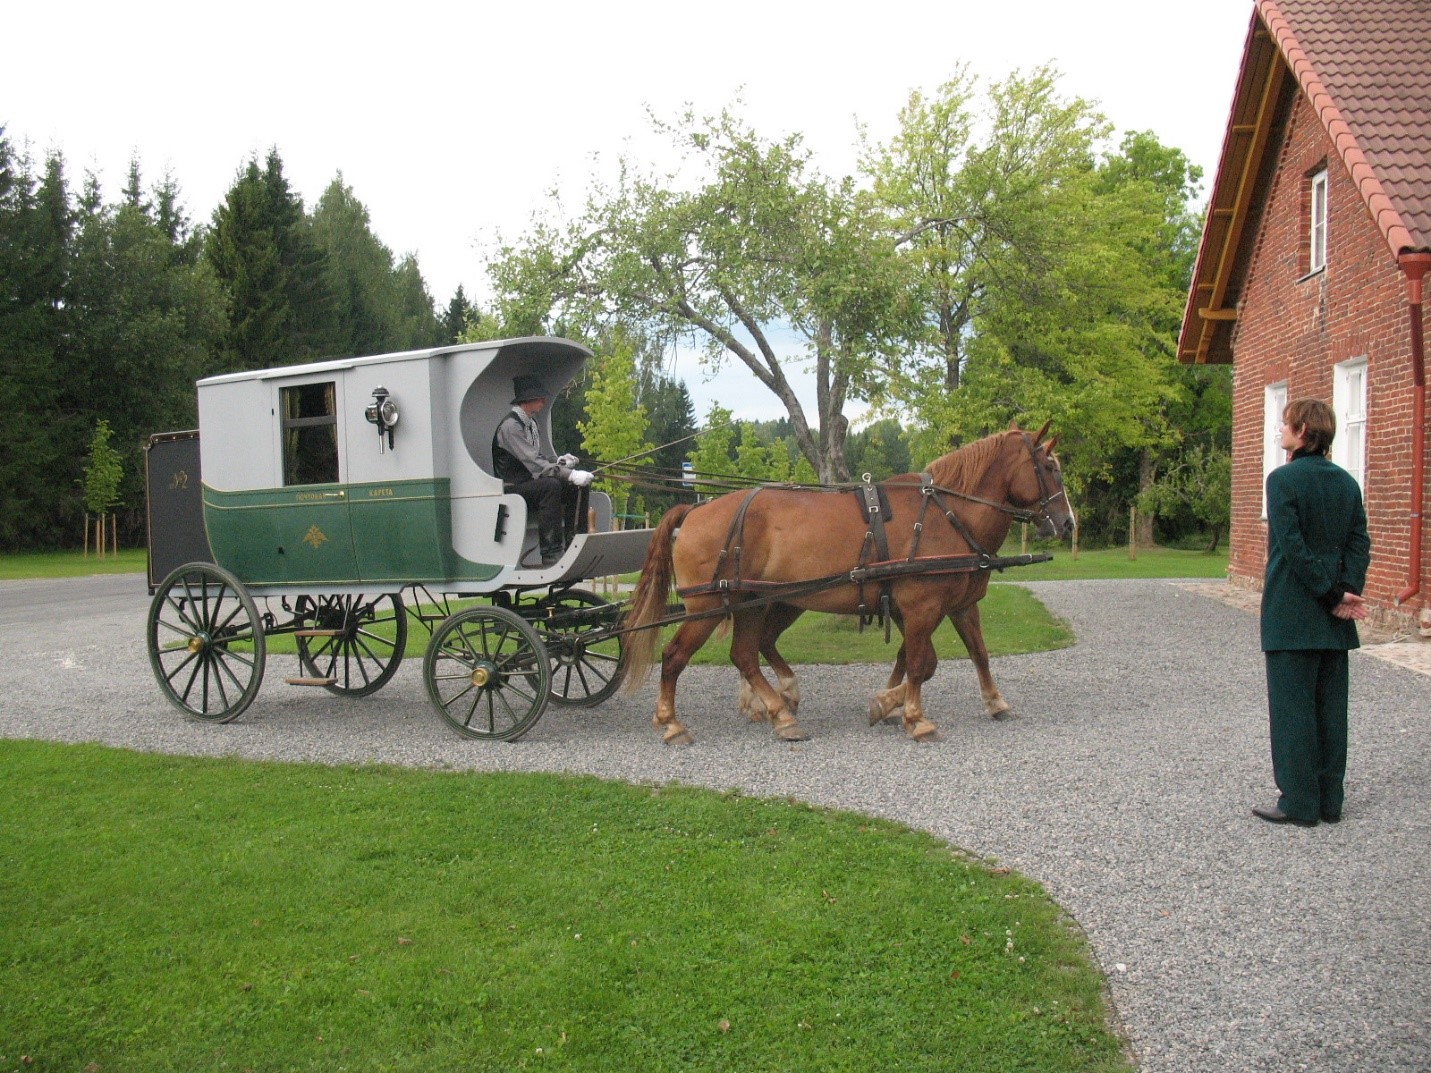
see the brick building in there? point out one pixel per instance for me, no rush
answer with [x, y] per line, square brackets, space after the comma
[1310, 273]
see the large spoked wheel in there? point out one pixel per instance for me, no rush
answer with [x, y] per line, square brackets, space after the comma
[356, 641]
[487, 673]
[206, 642]
[585, 656]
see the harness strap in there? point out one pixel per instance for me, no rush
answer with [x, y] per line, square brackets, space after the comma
[929, 490]
[878, 539]
[731, 548]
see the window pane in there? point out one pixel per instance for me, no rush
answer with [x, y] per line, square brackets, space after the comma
[310, 434]
[1317, 231]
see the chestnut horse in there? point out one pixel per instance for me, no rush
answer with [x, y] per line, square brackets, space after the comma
[759, 557]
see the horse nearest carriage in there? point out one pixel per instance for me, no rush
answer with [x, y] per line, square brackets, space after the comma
[335, 501]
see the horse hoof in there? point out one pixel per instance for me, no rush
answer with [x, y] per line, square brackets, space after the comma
[792, 732]
[878, 714]
[923, 730]
[1007, 713]
[678, 735]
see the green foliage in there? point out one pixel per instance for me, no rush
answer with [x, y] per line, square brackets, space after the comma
[107, 312]
[379, 306]
[103, 472]
[460, 320]
[262, 248]
[615, 426]
[757, 245]
[881, 450]
[113, 310]
[1053, 278]
[713, 454]
[1199, 484]
[646, 928]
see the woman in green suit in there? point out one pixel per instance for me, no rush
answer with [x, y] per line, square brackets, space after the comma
[1318, 552]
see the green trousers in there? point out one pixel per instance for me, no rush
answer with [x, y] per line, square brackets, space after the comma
[1307, 702]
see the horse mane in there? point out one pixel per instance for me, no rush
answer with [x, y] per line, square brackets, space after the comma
[961, 468]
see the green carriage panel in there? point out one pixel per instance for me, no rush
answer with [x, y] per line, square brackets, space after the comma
[402, 533]
[275, 536]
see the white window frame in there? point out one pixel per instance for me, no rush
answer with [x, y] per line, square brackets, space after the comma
[1317, 225]
[1349, 404]
[1274, 403]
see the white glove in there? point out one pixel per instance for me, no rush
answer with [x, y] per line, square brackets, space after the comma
[581, 478]
[569, 461]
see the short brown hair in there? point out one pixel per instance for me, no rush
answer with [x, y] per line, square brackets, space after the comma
[1315, 421]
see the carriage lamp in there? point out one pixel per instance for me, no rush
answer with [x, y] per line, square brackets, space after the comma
[384, 413]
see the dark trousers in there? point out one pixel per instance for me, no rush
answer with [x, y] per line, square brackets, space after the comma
[1307, 702]
[554, 503]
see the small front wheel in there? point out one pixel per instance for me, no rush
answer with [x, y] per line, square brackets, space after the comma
[579, 630]
[206, 642]
[487, 673]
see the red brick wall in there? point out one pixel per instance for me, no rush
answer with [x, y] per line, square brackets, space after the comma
[1296, 327]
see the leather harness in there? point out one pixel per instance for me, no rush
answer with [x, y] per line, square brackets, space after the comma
[881, 570]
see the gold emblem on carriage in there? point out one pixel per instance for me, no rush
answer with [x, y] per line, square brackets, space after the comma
[314, 537]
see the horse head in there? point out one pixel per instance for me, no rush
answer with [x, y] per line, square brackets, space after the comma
[1038, 486]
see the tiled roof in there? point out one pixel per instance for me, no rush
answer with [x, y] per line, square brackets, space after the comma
[1371, 60]
[1365, 67]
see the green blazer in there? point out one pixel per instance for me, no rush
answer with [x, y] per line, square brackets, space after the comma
[1317, 548]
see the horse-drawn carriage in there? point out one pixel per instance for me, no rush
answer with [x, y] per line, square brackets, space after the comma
[349, 497]
[337, 501]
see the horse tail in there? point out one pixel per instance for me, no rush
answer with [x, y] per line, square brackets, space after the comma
[648, 602]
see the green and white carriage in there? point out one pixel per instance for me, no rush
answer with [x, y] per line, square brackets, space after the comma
[343, 501]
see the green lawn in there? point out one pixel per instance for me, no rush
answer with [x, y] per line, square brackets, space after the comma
[1013, 621]
[1106, 563]
[170, 913]
[29, 564]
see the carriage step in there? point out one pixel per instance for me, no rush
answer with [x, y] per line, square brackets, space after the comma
[317, 633]
[311, 681]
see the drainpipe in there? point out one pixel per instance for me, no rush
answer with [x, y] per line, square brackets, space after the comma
[1415, 266]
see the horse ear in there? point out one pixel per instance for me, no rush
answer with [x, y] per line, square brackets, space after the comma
[1013, 424]
[1043, 431]
[1048, 447]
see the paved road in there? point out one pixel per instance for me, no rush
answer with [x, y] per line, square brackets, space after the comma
[1229, 944]
[53, 602]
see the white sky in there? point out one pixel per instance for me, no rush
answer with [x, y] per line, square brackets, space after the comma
[452, 122]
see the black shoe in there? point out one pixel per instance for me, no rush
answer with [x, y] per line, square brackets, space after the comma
[541, 562]
[1273, 814]
[1331, 817]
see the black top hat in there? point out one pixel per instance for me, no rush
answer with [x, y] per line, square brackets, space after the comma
[528, 388]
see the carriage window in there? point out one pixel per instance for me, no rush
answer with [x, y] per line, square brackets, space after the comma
[310, 434]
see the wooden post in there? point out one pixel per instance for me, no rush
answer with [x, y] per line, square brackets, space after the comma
[86, 534]
[1023, 538]
[1132, 532]
[114, 535]
[1075, 540]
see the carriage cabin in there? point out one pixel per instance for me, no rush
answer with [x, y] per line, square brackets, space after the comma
[1309, 276]
[377, 472]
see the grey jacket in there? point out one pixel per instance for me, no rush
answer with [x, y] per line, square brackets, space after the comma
[517, 436]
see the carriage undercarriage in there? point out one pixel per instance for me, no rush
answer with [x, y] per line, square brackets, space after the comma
[489, 669]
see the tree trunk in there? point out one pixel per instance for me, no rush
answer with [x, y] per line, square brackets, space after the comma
[1147, 476]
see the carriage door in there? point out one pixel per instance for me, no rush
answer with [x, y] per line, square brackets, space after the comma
[316, 530]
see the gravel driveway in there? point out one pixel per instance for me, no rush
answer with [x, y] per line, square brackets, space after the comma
[1124, 788]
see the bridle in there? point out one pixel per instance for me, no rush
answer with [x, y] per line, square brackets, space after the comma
[1041, 511]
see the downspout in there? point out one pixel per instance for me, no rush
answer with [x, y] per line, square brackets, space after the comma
[1415, 266]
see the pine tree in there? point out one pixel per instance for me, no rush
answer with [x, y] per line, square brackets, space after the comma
[262, 250]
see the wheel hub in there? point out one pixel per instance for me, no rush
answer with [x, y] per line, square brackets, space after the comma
[484, 674]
